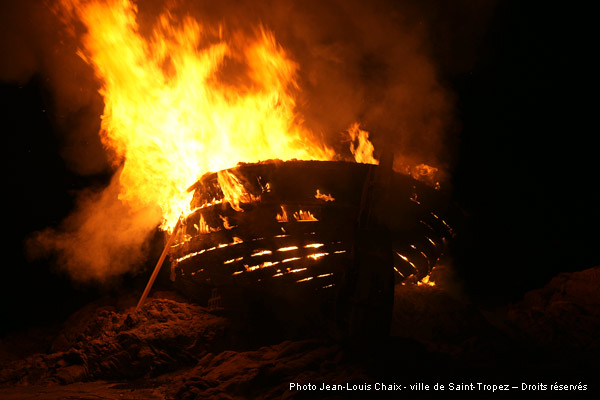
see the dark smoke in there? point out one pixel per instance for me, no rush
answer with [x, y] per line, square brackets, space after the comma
[381, 63]
[32, 42]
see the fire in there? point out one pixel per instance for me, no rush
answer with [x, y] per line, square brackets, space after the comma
[226, 223]
[169, 117]
[203, 227]
[289, 248]
[283, 216]
[426, 281]
[423, 172]
[324, 197]
[304, 216]
[363, 151]
[233, 190]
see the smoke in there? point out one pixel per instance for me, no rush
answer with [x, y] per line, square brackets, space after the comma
[33, 43]
[365, 62]
[380, 63]
[103, 238]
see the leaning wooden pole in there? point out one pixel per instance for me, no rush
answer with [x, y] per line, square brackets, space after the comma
[158, 265]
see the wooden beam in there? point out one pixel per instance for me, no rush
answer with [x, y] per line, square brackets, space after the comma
[158, 265]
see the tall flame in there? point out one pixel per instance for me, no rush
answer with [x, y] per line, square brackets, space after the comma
[169, 114]
[363, 150]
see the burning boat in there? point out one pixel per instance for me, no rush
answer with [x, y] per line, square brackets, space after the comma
[183, 99]
[284, 227]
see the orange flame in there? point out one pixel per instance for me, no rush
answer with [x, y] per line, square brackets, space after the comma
[324, 197]
[301, 215]
[169, 117]
[283, 216]
[363, 151]
[233, 190]
[426, 281]
[422, 172]
[203, 227]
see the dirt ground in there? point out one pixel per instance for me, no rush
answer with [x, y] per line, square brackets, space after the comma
[173, 349]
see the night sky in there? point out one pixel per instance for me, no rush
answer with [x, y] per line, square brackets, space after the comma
[525, 176]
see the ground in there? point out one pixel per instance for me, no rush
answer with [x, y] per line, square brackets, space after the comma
[174, 349]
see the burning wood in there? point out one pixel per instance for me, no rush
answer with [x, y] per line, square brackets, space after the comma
[184, 98]
[169, 126]
[170, 117]
[233, 190]
[283, 216]
[316, 255]
[304, 216]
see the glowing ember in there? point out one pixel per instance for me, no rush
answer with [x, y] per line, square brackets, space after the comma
[414, 198]
[422, 253]
[443, 222]
[431, 241]
[426, 282]
[316, 256]
[407, 260]
[259, 266]
[190, 255]
[314, 245]
[293, 271]
[261, 253]
[289, 248]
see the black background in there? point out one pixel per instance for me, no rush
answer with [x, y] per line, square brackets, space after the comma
[525, 177]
